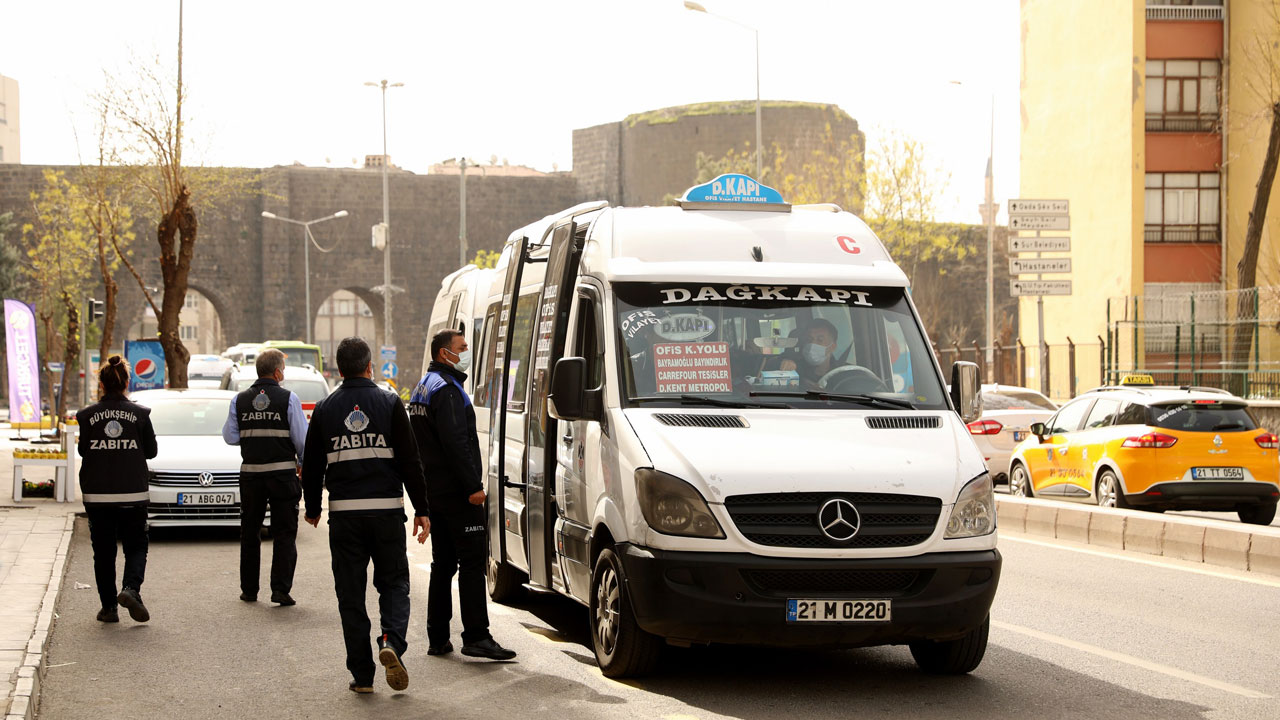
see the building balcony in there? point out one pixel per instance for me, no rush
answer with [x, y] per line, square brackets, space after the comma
[1182, 233]
[1199, 12]
[1176, 122]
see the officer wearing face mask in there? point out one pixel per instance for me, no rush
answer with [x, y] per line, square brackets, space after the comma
[444, 424]
[817, 352]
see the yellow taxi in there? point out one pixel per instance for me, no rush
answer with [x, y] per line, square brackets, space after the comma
[1157, 448]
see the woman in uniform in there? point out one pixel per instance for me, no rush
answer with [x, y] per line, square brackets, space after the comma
[116, 440]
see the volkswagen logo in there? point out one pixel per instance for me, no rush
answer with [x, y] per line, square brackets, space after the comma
[206, 479]
[839, 520]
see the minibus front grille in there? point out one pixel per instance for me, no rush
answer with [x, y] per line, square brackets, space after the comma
[707, 421]
[904, 422]
[791, 519]
[819, 582]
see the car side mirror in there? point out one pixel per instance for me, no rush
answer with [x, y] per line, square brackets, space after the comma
[1039, 430]
[569, 398]
[966, 394]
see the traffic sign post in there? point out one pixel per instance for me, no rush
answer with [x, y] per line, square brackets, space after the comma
[1039, 222]
[1038, 216]
[1039, 288]
[390, 370]
[1026, 266]
[1039, 244]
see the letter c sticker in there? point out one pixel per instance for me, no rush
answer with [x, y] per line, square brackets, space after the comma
[848, 244]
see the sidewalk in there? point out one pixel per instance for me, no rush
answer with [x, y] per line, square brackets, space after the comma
[34, 538]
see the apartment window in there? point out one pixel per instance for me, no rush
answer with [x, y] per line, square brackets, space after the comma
[1182, 95]
[187, 332]
[1182, 207]
[191, 301]
[4, 114]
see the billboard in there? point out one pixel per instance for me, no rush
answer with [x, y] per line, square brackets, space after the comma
[147, 359]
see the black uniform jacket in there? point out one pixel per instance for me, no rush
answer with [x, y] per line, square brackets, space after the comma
[116, 440]
[445, 426]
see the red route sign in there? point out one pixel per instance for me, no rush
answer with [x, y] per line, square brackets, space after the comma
[697, 367]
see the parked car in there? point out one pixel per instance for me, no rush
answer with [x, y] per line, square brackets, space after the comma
[1156, 448]
[205, 371]
[195, 478]
[1007, 414]
[309, 385]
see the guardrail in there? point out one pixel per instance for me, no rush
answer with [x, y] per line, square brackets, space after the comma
[1184, 12]
[1254, 548]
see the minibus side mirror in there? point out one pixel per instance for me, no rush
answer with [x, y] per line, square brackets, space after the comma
[570, 399]
[1039, 430]
[966, 391]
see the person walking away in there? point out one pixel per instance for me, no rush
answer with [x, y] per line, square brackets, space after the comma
[444, 423]
[116, 440]
[268, 424]
[360, 447]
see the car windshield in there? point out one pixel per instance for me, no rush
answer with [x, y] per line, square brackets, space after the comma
[1202, 417]
[1016, 400]
[188, 416]
[299, 356]
[774, 346]
[308, 391]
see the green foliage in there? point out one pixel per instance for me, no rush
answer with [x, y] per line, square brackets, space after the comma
[903, 191]
[832, 173]
[486, 259]
[733, 107]
[59, 243]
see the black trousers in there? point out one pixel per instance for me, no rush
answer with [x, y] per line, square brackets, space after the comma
[353, 542]
[458, 545]
[281, 491]
[109, 524]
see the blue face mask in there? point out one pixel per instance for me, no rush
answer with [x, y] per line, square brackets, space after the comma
[814, 353]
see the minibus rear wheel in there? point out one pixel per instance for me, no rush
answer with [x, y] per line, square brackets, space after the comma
[506, 583]
[622, 648]
[953, 657]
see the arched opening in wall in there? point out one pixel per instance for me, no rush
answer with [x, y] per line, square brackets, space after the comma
[201, 324]
[349, 312]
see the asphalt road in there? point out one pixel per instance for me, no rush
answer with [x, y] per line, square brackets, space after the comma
[1077, 633]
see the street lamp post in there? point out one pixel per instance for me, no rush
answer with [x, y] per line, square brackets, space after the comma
[386, 219]
[463, 164]
[988, 210]
[697, 7]
[307, 240]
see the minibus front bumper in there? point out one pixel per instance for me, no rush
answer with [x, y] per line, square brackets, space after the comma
[739, 598]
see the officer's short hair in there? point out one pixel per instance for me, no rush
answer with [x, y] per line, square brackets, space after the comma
[353, 356]
[441, 340]
[269, 361]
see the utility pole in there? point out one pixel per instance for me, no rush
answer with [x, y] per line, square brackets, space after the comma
[387, 289]
[462, 212]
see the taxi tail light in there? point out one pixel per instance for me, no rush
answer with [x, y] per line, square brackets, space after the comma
[1268, 441]
[1150, 440]
[984, 427]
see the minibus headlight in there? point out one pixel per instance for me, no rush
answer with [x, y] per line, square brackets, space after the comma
[974, 513]
[673, 507]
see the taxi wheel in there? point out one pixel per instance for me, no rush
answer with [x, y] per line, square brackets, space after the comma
[1257, 514]
[1108, 492]
[622, 648]
[1019, 482]
[954, 657]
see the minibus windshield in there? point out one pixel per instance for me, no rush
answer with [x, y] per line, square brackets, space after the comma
[753, 345]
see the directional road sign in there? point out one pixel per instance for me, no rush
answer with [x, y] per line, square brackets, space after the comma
[1028, 266]
[1039, 207]
[390, 370]
[1018, 288]
[1039, 244]
[1039, 222]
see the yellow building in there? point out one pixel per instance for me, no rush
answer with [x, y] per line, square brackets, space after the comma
[1147, 117]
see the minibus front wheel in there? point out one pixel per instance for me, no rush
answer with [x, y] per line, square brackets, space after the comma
[622, 648]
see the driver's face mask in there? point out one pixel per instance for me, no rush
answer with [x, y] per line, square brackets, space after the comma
[815, 353]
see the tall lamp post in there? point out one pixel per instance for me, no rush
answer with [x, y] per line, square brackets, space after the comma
[307, 240]
[387, 289]
[697, 7]
[988, 210]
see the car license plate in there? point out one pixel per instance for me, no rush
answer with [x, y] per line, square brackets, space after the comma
[223, 498]
[1019, 435]
[838, 610]
[1217, 473]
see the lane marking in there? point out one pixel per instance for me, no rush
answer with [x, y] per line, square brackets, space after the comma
[1146, 561]
[1131, 660]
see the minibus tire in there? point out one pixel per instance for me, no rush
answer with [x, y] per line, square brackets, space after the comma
[1257, 514]
[624, 649]
[506, 583]
[953, 657]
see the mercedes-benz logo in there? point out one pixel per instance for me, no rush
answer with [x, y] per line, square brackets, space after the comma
[206, 479]
[839, 520]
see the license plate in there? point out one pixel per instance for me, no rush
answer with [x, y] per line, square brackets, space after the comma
[223, 498]
[1217, 473]
[838, 610]
[1019, 435]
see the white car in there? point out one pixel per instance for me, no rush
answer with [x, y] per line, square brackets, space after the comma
[306, 382]
[195, 478]
[205, 371]
[1007, 414]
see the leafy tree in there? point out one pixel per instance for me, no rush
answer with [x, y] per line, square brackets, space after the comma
[486, 259]
[832, 173]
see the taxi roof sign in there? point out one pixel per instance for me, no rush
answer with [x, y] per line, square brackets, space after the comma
[733, 191]
[1142, 380]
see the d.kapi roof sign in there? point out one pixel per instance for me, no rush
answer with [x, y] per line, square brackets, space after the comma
[736, 191]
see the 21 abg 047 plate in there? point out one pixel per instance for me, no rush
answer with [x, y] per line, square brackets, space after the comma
[1217, 473]
[838, 610]
[222, 498]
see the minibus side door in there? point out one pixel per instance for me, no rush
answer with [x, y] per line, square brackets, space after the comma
[551, 327]
[497, 480]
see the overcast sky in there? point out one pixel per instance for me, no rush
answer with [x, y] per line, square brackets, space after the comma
[277, 81]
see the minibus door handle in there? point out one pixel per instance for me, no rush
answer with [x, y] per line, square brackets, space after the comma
[567, 438]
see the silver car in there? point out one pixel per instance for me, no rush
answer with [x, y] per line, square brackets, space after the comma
[195, 477]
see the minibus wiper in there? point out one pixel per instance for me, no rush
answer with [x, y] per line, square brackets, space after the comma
[714, 402]
[821, 395]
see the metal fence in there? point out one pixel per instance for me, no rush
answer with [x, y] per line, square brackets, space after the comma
[1068, 369]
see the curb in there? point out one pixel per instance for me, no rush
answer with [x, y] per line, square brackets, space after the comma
[26, 695]
[1253, 548]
